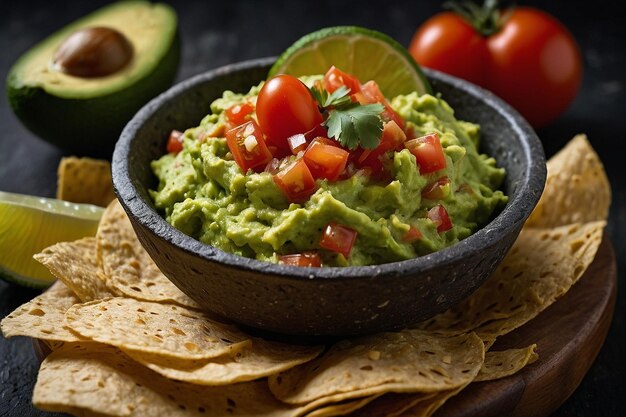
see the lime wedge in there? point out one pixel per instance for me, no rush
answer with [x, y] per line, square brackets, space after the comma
[29, 224]
[368, 54]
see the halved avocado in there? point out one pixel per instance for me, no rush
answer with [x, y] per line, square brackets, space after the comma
[86, 114]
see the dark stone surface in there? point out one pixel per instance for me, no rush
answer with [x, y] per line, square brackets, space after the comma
[226, 32]
[327, 301]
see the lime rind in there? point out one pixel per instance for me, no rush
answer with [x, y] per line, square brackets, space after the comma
[51, 205]
[368, 54]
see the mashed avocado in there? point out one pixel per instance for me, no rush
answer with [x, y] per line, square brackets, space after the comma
[204, 193]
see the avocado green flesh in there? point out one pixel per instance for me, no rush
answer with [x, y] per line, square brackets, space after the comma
[203, 193]
[88, 114]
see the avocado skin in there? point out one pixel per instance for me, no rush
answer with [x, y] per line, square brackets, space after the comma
[90, 126]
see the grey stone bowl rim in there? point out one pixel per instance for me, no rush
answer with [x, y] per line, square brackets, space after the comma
[517, 209]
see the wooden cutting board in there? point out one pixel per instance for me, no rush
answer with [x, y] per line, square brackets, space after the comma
[569, 335]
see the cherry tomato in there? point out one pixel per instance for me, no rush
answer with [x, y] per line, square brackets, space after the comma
[310, 259]
[325, 159]
[247, 145]
[284, 108]
[335, 78]
[296, 181]
[437, 190]
[527, 57]
[428, 153]
[175, 142]
[239, 114]
[338, 238]
[439, 216]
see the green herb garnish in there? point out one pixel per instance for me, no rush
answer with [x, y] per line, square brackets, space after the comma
[350, 124]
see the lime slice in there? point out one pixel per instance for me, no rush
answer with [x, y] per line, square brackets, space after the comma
[29, 224]
[368, 54]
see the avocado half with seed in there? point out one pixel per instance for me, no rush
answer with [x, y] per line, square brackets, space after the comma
[80, 86]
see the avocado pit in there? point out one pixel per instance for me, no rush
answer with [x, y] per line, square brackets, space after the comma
[93, 52]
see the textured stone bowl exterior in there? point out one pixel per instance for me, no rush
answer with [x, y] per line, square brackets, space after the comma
[324, 301]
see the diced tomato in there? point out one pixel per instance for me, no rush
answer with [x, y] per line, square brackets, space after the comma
[175, 142]
[372, 94]
[439, 216]
[311, 259]
[428, 152]
[437, 190]
[335, 78]
[325, 160]
[296, 181]
[393, 136]
[248, 147]
[338, 238]
[239, 114]
[297, 143]
[412, 235]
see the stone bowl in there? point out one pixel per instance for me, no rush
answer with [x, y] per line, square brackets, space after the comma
[324, 301]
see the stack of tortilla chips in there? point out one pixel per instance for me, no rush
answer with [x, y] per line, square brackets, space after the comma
[125, 341]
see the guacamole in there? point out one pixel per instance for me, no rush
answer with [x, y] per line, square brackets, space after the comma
[203, 192]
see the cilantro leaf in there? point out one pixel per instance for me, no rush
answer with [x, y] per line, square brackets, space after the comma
[339, 97]
[354, 123]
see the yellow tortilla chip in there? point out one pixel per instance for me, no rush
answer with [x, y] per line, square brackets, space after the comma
[101, 379]
[162, 329]
[542, 266]
[577, 188]
[506, 362]
[408, 361]
[259, 359]
[75, 264]
[43, 317]
[126, 264]
[85, 180]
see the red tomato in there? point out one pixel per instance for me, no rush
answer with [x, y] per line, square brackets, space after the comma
[428, 153]
[437, 190]
[439, 216]
[393, 136]
[297, 143]
[296, 181]
[372, 94]
[239, 114]
[335, 78]
[529, 58]
[311, 259]
[412, 235]
[247, 145]
[175, 142]
[338, 238]
[284, 108]
[325, 159]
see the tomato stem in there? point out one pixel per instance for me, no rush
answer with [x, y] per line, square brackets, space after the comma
[486, 19]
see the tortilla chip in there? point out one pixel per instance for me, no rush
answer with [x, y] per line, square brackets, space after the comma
[577, 189]
[525, 284]
[393, 405]
[429, 407]
[85, 180]
[101, 379]
[342, 408]
[162, 329]
[259, 359]
[75, 264]
[43, 317]
[506, 362]
[126, 264]
[408, 361]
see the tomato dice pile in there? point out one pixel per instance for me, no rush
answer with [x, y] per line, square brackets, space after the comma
[284, 134]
